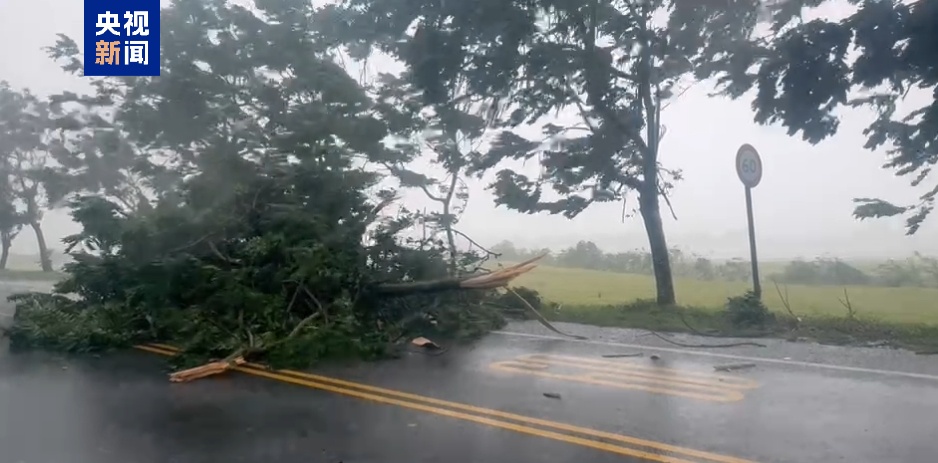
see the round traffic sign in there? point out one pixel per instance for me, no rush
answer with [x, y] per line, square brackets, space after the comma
[748, 165]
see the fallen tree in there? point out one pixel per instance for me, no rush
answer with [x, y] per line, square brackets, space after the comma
[231, 207]
[261, 278]
[496, 279]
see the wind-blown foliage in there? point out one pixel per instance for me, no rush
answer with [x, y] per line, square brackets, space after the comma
[256, 227]
[805, 71]
[11, 218]
[613, 63]
[29, 148]
[449, 136]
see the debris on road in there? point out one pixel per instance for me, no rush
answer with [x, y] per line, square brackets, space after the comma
[428, 347]
[734, 366]
[552, 395]
[208, 369]
[879, 344]
[703, 346]
[540, 318]
[654, 357]
[424, 342]
[616, 356]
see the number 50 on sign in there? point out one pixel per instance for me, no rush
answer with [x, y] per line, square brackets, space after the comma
[121, 37]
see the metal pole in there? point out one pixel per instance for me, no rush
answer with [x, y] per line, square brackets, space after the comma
[756, 285]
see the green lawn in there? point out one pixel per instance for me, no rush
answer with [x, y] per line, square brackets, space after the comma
[581, 287]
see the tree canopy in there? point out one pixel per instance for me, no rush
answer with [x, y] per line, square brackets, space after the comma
[805, 72]
[255, 224]
[29, 147]
[615, 64]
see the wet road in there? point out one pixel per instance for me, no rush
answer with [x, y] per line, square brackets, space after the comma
[484, 403]
[773, 412]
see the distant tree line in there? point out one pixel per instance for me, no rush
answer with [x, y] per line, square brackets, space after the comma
[916, 271]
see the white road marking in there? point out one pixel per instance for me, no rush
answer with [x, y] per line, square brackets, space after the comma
[726, 356]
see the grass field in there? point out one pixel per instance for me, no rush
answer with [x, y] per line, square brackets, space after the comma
[29, 275]
[579, 287]
[25, 267]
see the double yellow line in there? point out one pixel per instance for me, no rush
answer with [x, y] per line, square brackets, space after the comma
[630, 375]
[591, 438]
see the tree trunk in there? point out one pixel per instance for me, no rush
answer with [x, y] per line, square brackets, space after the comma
[6, 242]
[450, 236]
[661, 263]
[44, 258]
[417, 287]
[451, 243]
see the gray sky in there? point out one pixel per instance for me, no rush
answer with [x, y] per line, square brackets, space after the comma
[802, 207]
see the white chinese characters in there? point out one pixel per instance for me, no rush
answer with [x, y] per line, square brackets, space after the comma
[136, 52]
[107, 22]
[137, 23]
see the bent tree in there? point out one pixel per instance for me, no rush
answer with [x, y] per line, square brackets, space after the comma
[615, 64]
[11, 219]
[28, 137]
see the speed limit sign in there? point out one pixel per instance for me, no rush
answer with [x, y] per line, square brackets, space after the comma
[748, 166]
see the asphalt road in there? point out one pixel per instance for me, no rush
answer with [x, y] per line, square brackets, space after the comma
[517, 396]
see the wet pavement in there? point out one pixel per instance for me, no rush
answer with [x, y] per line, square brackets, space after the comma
[120, 408]
[481, 403]
[770, 412]
[516, 396]
[778, 351]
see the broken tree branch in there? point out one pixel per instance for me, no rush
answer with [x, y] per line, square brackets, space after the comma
[785, 301]
[541, 318]
[474, 243]
[496, 279]
[702, 346]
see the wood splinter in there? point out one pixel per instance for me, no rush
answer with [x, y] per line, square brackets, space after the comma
[209, 369]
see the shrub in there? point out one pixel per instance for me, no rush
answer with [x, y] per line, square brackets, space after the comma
[748, 311]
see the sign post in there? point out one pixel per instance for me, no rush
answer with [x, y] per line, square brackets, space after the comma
[749, 170]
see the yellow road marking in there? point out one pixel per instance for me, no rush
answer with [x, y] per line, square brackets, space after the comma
[715, 396]
[423, 403]
[631, 366]
[641, 376]
[628, 375]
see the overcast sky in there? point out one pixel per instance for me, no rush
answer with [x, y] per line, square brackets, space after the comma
[802, 207]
